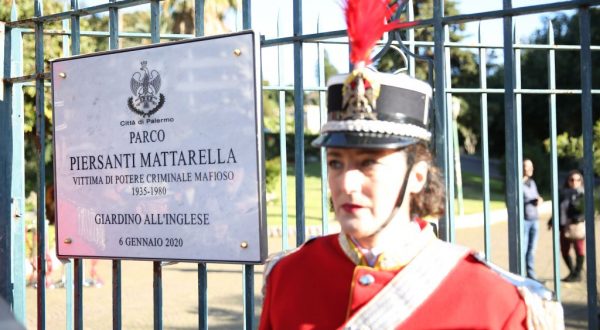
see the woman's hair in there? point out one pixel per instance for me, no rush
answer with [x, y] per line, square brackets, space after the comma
[571, 173]
[431, 200]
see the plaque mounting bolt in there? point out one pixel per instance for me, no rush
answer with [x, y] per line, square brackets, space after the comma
[68, 241]
[62, 75]
[244, 245]
[237, 52]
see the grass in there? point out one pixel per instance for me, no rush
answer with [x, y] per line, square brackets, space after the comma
[312, 194]
[472, 196]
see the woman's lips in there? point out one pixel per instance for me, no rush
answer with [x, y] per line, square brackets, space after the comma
[351, 208]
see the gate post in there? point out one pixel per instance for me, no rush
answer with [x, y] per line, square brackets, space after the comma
[18, 171]
[5, 168]
[588, 161]
[514, 159]
[441, 119]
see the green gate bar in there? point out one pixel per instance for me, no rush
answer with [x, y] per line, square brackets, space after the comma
[299, 123]
[67, 264]
[485, 154]
[553, 159]
[248, 269]
[41, 175]
[442, 146]
[18, 175]
[113, 29]
[588, 161]
[514, 172]
[202, 267]
[6, 160]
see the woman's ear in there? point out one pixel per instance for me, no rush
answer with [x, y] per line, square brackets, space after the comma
[418, 177]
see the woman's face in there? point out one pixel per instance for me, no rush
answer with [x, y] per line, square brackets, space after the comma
[364, 187]
[575, 181]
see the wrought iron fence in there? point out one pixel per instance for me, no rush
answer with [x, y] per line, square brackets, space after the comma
[12, 192]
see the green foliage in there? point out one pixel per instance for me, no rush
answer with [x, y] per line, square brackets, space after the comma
[271, 101]
[571, 147]
[462, 61]
[473, 193]
[541, 163]
[535, 65]
[464, 67]
[312, 190]
[272, 145]
[273, 171]
[271, 110]
[330, 69]
[570, 150]
[567, 146]
[177, 16]
[535, 68]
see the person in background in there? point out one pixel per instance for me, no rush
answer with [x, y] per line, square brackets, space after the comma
[571, 212]
[531, 199]
[386, 269]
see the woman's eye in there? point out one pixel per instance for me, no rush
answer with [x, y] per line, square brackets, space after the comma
[368, 163]
[334, 164]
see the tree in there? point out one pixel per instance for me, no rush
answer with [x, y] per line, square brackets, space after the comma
[570, 148]
[535, 75]
[534, 67]
[178, 16]
[535, 108]
[462, 62]
[464, 68]
[329, 68]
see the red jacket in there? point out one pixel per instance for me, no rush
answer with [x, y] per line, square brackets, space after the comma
[318, 287]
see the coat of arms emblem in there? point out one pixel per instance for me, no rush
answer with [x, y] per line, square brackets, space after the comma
[145, 86]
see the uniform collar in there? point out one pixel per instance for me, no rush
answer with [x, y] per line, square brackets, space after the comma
[394, 255]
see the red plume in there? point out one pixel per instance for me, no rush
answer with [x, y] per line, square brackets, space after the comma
[367, 21]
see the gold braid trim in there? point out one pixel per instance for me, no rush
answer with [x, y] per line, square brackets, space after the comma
[542, 314]
[377, 126]
[409, 288]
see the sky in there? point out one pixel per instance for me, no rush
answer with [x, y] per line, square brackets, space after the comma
[274, 18]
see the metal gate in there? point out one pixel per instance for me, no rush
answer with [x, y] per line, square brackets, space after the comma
[12, 191]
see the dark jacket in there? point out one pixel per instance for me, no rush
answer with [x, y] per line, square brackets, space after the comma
[571, 206]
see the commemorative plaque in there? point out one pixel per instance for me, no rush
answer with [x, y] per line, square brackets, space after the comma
[158, 152]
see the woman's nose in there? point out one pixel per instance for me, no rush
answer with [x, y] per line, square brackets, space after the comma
[352, 180]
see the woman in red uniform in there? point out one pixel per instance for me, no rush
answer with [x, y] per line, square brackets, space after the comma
[386, 269]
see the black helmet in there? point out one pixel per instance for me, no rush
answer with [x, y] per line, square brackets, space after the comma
[373, 110]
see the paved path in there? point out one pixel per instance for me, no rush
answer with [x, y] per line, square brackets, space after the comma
[225, 287]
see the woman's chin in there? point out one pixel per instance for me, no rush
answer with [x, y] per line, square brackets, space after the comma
[355, 228]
